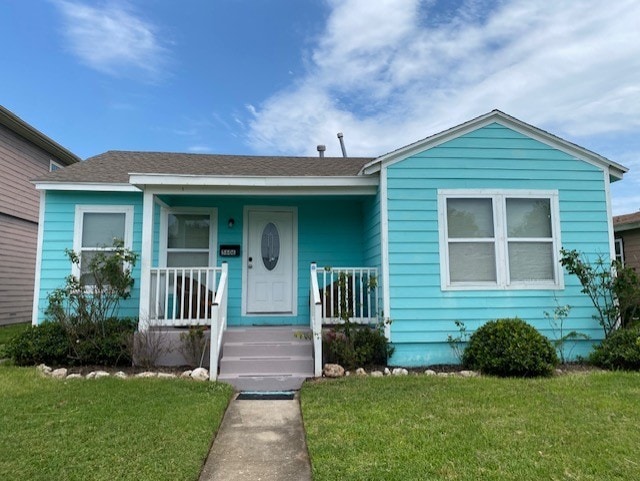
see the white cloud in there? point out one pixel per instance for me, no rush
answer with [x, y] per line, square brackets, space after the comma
[390, 72]
[112, 39]
[199, 149]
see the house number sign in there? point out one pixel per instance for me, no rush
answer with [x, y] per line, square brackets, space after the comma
[229, 250]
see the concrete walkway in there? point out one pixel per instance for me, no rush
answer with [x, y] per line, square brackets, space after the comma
[259, 440]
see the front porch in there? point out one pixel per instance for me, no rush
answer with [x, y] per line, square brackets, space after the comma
[260, 356]
[240, 261]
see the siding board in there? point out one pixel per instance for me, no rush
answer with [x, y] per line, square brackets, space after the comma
[493, 157]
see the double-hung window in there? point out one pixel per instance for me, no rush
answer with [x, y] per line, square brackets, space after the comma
[190, 236]
[97, 227]
[498, 239]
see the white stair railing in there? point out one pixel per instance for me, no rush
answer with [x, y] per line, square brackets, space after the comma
[218, 321]
[315, 308]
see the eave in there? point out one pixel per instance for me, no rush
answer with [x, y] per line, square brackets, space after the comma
[22, 128]
[254, 185]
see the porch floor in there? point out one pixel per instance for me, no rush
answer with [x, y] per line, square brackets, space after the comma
[266, 358]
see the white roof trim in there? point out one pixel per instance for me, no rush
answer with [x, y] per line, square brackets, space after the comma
[250, 181]
[625, 227]
[91, 186]
[616, 170]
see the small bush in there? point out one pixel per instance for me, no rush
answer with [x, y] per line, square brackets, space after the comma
[51, 344]
[193, 345]
[510, 347]
[364, 346]
[46, 343]
[106, 343]
[621, 350]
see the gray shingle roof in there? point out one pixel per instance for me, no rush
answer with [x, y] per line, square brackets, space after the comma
[115, 166]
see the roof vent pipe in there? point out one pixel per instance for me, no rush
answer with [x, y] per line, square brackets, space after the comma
[340, 137]
[321, 149]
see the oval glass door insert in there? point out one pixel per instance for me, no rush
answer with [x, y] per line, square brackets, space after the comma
[270, 246]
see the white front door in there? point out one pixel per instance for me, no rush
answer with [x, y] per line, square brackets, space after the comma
[270, 261]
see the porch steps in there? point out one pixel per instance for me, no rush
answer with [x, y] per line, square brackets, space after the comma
[266, 358]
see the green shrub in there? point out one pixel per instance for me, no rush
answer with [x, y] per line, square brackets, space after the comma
[365, 346]
[621, 350]
[510, 347]
[46, 343]
[50, 343]
[108, 342]
[82, 325]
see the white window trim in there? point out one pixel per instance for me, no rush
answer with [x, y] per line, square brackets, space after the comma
[502, 271]
[127, 210]
[53, 163]
[618, 241]
[164, 226]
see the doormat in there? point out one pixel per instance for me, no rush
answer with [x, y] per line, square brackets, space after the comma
[266, 396]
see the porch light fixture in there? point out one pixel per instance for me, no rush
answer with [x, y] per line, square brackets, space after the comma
[231, 223]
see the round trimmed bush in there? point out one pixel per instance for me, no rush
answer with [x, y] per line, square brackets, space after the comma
[510, 347]
[621, 350]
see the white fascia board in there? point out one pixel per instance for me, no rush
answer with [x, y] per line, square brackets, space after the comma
[251, 181]
[233, 185]
[625, 227]
[87, 186]
[616, 170]
[265, 191]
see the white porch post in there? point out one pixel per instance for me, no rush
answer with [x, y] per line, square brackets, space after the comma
[146, 254]
[384, 244]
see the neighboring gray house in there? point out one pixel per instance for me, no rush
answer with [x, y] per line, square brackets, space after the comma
[25, 153]
[627, 239]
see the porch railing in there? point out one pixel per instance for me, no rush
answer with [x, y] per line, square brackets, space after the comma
[335, 289]
[218, 321]
[315, 309]
[349, 290]
[183, 296]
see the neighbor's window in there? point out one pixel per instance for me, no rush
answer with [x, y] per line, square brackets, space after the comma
[53, 165]
[499, 239]
[620, 251]
[97, 227]
[188, 239]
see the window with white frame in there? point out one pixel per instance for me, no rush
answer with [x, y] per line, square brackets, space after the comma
[53, 165]
[619, 251]
[189, 238]
[96, 230]
[499, 239]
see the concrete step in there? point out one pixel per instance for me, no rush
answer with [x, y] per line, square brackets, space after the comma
[266, 364]
[265, 382]
[266, 358]
[262, 334]
[266, 348]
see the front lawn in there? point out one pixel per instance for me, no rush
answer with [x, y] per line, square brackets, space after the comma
[105, 429]
[576, 427]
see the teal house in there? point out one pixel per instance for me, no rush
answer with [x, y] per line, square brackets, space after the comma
[464, 225]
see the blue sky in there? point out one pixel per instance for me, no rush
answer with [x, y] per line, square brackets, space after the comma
[281, 76]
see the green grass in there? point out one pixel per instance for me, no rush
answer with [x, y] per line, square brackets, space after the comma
[8, 332]
[579, 427]
[106, 429]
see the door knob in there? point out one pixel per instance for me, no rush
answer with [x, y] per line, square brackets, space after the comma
[250, 263]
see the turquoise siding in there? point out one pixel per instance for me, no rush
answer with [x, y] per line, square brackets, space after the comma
[372, 250]
[493, 157]
[330, 232]
[58, 235]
